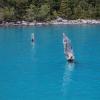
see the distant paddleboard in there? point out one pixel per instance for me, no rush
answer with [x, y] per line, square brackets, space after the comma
[68, 51]
[32, 37]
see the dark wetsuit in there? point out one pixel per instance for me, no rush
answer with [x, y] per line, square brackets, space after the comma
[32, 40]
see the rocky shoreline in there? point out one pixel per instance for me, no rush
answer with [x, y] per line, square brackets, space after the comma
[53, 22]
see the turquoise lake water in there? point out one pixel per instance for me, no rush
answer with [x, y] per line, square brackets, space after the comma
[40, 71]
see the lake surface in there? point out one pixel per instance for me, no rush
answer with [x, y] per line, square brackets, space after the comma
[40, 71]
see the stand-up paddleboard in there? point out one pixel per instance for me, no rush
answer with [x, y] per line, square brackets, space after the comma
[68, 51]
[32, 37]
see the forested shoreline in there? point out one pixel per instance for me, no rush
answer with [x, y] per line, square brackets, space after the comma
[47, 10]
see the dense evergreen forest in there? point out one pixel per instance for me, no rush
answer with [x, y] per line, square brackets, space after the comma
[46, 10]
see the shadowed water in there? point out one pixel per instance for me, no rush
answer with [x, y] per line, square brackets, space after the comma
[39, 71]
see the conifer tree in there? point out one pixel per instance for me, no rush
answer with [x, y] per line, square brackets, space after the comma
[65, 9]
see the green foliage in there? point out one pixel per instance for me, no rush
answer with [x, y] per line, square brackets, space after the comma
[63, 8]
[43, 10]
[78, 12]
[39, 14]
[55, 14]
[1, 15]
[31, 13]
[7, 13]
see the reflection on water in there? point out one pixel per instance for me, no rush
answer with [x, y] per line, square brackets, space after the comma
[33, 45]
[69, 68]
[33, 51]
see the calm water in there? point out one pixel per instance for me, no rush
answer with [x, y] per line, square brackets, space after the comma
[40, 72]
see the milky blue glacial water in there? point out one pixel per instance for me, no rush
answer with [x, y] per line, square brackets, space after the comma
[40, 71]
